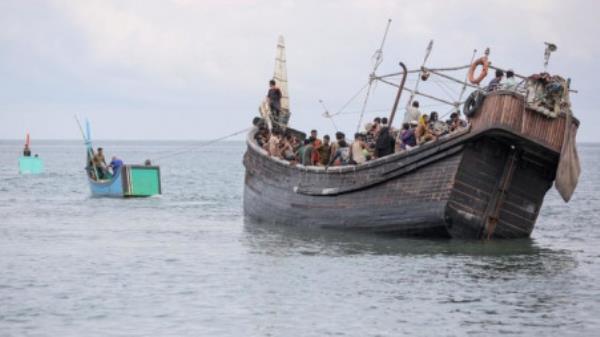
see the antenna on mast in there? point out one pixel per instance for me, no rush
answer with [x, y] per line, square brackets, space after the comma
[377, 60]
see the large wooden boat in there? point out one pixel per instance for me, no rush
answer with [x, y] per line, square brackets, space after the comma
[486, 181]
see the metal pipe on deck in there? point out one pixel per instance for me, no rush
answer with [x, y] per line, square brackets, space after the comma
[398, 94]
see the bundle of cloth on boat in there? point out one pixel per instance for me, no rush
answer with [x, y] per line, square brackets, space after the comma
[567, 174]
[547, 94]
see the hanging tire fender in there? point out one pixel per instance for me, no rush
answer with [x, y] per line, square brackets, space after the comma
[473, 103]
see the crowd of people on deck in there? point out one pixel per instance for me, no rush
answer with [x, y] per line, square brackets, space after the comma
[378, 139]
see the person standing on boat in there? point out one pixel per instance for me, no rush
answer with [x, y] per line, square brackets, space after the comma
[510, 83]
[385, 143]
[26, 151]
[316, 144]
[115, 165]
[412, 113]
[274, 98]
[357, 149]
[325, 151]
[495, 82]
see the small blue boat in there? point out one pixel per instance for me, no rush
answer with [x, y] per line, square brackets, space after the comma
[126, 181]
[129, 181]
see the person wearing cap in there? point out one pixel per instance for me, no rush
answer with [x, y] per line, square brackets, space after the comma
[510, 83]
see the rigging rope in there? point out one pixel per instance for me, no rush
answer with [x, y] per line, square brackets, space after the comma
[194, 147]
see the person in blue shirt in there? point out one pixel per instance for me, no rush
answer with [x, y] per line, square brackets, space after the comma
[496, 81]
[115, 165]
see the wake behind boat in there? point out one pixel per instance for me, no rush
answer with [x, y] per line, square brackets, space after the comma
[485, 180]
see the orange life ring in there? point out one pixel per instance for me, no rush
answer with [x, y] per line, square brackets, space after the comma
[482, 61]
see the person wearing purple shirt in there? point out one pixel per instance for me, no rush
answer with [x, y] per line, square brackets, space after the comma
[115, 164]
[407, 136]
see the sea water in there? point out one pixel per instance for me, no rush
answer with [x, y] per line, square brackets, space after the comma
[187, 264]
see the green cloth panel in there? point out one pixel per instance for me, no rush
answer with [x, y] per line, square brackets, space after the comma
[144, 181]
[30, 165]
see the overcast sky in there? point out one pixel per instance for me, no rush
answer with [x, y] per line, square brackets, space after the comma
[184, 69]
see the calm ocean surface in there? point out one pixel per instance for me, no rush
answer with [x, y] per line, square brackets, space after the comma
[186, 264]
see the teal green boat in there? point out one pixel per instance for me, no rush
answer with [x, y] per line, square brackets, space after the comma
[30, 165]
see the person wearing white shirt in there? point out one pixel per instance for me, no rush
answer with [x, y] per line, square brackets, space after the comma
[510, 83]
[412, 113]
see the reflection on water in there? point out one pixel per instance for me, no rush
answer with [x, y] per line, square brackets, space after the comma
[492, 257]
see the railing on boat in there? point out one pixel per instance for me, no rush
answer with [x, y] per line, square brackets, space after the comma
[506, 110]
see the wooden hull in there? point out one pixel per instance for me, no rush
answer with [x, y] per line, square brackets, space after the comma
[488, 181]
[130, 181]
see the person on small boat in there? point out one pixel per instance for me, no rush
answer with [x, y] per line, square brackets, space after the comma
[422, 132]
[496, 81]
[412, 113]
[510, 83]
[115, 165]
[26, 151]
[148, 162]
[324, 151]
[99, 162]
[274, 98]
